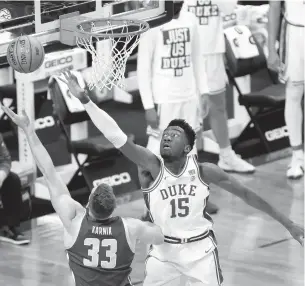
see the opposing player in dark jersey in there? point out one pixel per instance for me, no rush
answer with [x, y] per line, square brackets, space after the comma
[176, 188]
[100, 247]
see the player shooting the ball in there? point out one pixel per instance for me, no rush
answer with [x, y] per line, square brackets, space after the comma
[100, 246]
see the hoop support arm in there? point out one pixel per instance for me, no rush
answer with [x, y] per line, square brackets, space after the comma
[68, 23]
[69, 28]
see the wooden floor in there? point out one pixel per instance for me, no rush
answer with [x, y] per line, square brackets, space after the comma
[254, 249]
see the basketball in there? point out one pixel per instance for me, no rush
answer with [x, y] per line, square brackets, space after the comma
[25, 54]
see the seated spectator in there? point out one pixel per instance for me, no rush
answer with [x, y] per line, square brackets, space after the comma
[11, 197]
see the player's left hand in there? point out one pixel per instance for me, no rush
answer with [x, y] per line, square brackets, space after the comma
[22, 121]
[297, 232]
[71, 81]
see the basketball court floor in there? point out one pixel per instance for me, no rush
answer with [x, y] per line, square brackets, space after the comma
[254, 249]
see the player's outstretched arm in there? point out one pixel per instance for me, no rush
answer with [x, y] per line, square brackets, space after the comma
[213, 174]
[146, 232]
[61, 200]
[137, 154]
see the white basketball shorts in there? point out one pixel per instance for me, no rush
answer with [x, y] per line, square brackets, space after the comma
[292, 54]
[216, 73]
[203, 272]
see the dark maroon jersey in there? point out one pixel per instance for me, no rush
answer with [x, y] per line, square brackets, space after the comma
[101, 255]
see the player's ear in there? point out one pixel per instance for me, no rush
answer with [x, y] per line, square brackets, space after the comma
[187, 149]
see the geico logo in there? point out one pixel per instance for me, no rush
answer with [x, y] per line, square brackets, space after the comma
[57, 62]
[114, 180]
[44, 122]
[230, 17]
[276, 134]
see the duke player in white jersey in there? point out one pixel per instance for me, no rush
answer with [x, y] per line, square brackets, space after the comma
[171, 81]
[290, 66]
[176, 189]
[211, 37]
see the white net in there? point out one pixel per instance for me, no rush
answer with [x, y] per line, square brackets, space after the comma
[108, 69]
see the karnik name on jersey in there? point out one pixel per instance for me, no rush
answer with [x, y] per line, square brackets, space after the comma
[102, 230]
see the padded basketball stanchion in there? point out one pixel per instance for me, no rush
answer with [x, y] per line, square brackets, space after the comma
[54, 63]
[25, 101]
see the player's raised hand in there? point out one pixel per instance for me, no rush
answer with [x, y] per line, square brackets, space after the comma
[22, 121]
[71, 81]
[297, 232]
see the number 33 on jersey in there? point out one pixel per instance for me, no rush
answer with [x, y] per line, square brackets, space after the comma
[102, 247]
[110, 248]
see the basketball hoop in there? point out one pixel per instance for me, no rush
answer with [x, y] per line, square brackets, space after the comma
[124, 36]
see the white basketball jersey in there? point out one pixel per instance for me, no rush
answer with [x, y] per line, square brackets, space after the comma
[173, 74]
[210, 25]
[295, 12]
[177, 202]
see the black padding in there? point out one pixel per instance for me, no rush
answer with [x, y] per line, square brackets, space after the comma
[272, 95]
[8, 91]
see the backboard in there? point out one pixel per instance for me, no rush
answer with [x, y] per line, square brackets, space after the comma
[41, 18]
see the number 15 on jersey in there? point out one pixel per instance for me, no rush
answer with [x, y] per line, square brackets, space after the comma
[180, 207]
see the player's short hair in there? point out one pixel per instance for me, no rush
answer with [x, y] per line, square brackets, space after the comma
[102, 201]
[189, 131]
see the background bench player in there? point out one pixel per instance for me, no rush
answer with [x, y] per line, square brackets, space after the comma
[290, 66]
[169, 76]
[176, 189]
[212, 43]
[88, 230]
